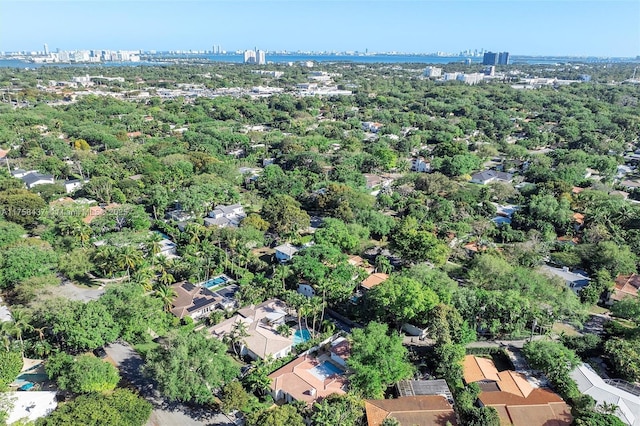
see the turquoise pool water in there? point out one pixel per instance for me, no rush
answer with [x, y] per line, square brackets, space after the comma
[215, 282]
[325, 370]
[165, 236]
[301, 336]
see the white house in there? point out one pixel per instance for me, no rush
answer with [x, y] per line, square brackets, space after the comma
[30, 405]
[34, 179]
[73, 184]
[223, 216]
[285, 252]
[610, 392]
[490, 176]
[576, 281]
[420, 165]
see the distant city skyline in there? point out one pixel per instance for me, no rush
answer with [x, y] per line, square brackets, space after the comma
[567, 27]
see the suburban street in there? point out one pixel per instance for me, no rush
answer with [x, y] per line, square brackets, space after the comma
[165, 413]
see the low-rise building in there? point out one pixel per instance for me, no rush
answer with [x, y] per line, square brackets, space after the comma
[312, 378]
[576, 280]
[373, 280]
[225, 216]
[491, 176]
[516, 400]
[35, 179]
[420, 165]
[419, 403]
[30, 405]
[625, 286]
[260, 323]
[613, 392]
[285, 252]
[193, 301]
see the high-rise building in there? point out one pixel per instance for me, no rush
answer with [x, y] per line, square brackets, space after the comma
[249, 56]
[432, 72]
[46, 49]
[493, 58]
[490, 58]
[261, 58]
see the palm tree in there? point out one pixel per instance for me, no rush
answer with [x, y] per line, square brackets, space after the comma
[82, 232]
[167, 295]
[383, 264]
[153, 245]
[20, 325]
[316, 306]
[237, 334]
[129, 258]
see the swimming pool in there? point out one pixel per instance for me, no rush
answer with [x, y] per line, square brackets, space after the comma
[164, 236]
[301, 336]
[326, 370]
[216, 281]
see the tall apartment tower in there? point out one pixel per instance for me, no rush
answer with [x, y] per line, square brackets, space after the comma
[250, 57]
[46, 49]
[261, 58]
[490, 58]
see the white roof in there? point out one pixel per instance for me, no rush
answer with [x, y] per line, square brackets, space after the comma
[590, 383]
[31, 405]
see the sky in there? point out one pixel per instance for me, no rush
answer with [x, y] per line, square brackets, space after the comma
[607, 28]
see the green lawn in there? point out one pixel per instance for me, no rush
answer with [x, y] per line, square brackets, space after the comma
[144, 348]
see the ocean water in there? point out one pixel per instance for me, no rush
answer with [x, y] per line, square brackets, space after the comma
[164, 59]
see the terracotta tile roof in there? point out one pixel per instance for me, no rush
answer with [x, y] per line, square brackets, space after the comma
[577, 190]
[373, 280]
[3, 153]
[518, 403]
[425, 410]
[578, 218]
[477, 369]
[296, 380]
[626, 286]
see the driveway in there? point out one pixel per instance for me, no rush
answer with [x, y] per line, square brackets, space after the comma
[73, 292]
[165, 413]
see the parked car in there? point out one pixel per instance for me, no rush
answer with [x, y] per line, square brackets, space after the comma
[100, 353]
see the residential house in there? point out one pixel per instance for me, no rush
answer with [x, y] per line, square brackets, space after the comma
[625, 286]
[30, 405]
[340, 351]
[20, 173]
[35, 178]
[178, 215]
[578, 221]
[425, 410]
[95, 211]
[504, 213]
[168, 249]
[517, 401]
[285, 252]
[193, 301]
[616, 392]
[491, 176]
[72, 185]
[309, 378]
[370, 126]
[419, 402]
[225, 216]
[576, 281]
[373, 280]
[261, 323]
[420, 165]
[359, 262]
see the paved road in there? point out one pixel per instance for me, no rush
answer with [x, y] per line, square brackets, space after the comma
[164, 413]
